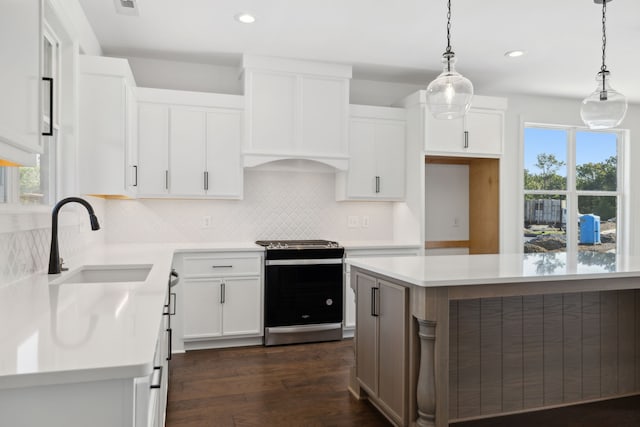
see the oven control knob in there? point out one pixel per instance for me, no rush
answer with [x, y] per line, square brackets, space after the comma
[329, 301]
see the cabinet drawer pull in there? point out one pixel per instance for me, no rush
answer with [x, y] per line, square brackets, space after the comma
[466, 139]
[166, 179]
[135, 175]
[206, 180]
[159, 383]
[222, 266]
[377, 184]
[222, 293]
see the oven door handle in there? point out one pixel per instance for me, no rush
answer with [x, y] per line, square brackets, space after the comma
[305, 328]
[303, 261]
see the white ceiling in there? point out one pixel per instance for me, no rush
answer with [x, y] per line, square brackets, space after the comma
[396, 40]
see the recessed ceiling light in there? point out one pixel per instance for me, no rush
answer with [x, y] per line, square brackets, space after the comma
[245, 18]
[514, 53]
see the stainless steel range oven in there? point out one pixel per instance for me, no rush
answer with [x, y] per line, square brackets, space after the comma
[303, 291]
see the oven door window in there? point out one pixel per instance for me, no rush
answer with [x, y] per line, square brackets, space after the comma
[303, 294]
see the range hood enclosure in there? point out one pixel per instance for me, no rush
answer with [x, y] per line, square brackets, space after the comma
[295, 110]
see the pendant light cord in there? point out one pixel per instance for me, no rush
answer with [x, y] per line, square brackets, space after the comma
[603, 68]
[448, 54]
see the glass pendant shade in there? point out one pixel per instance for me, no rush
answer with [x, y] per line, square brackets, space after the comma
[449, 95]
[605, 108]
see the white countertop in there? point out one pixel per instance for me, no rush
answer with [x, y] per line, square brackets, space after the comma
[457, 270]
[378, 244]
[83, 332]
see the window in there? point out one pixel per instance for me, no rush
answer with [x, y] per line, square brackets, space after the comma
[572, 189]
[37, 185]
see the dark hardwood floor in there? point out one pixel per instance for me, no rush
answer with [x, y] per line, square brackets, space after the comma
[295, 385]
[306, 386]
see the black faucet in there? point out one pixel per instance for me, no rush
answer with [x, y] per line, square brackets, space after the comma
[55, 264]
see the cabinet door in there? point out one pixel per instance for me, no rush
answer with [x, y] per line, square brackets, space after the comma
[202, 308]
[103, 133]
[224, 165]
[272, 112]
[366, 333]
[485, 131]
[153, 148]
[443, 135]
[242, 307]
[390, 159]
[324, 103]
[131, 140]
[187, 151]
[361, 180]
[392, 349]
[20, 83]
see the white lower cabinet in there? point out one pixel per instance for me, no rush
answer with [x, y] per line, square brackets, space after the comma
[350, 297]
[221, 307]
[151, 391]
[222, 299]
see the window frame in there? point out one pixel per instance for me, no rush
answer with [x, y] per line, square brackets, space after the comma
[12, 203]
[571, 193]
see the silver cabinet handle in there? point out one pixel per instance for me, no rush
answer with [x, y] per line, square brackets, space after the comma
[135, 175]
[466, 139]
[159, 383]
[222, 292]
[377, 184]
[222, 266]
[166, 179]
[206, 180]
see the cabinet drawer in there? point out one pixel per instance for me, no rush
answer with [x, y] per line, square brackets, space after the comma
[222, 266]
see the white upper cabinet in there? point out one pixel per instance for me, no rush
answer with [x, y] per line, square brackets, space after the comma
[189, 144]
[20, 35]
[153, 148]
[296, 109]
[478, 134]
[107, 123]
[377, 155]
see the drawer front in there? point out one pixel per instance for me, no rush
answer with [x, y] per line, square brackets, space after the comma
[221, 266]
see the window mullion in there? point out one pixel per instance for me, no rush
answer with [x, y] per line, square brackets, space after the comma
[572, 197]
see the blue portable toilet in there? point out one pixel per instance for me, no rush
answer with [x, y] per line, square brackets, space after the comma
[589, 229]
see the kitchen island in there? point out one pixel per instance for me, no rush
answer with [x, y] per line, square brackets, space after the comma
[452, 338]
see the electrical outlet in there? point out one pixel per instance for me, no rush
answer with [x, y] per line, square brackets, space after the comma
[206, 221]
[365, 221]
[353, 221]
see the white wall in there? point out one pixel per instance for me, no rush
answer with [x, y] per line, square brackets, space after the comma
[447, 201]
[163, 74]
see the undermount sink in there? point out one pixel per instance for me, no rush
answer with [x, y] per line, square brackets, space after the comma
[106, 274]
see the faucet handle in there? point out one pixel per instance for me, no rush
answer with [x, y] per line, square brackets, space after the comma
[61, 265]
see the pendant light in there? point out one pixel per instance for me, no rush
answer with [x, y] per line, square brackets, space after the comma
[605, 107]
[449, 95]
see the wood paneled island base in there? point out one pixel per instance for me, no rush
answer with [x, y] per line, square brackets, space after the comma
[488, 335]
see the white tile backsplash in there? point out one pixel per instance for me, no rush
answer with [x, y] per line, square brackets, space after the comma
[276, 205]
[24, 247]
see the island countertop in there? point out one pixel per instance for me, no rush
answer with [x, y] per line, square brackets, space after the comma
[462, 270]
